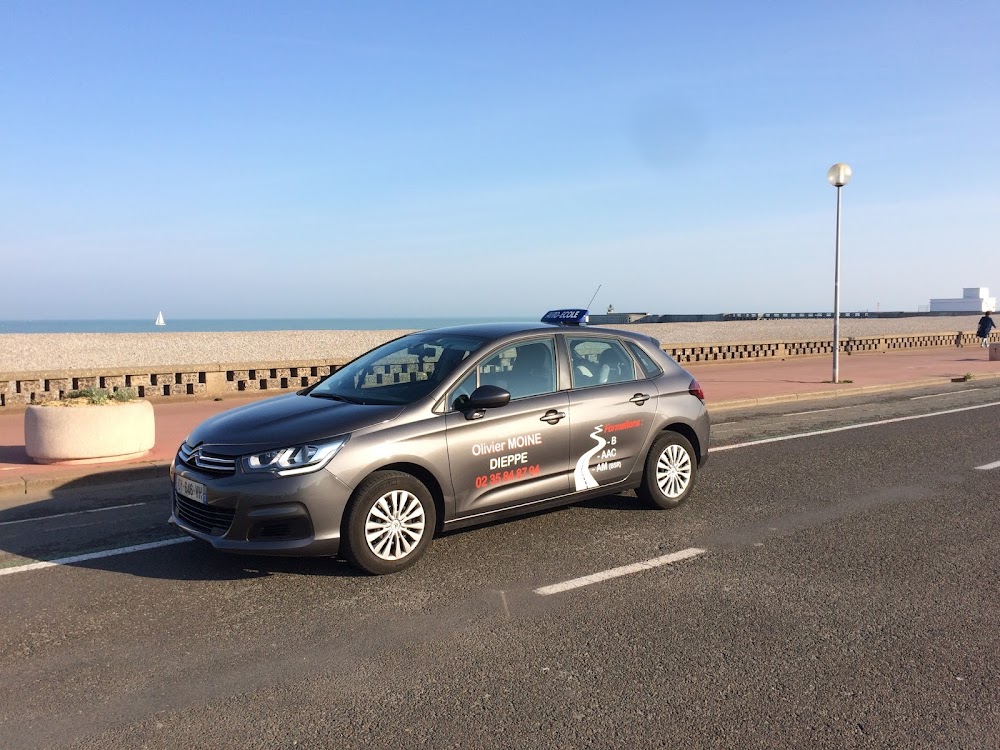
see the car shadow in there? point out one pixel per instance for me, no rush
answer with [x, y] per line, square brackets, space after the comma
[91, 533]
[198, 561]
[162, 552]
[627, 500]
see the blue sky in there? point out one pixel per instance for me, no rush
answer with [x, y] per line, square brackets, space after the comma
[329, 159]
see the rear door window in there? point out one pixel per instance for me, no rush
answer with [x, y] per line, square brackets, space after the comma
[597, 361]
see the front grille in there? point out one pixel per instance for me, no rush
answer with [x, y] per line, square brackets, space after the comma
[204, 518]
[196, 458]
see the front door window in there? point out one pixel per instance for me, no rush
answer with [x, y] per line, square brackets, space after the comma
[525, 369]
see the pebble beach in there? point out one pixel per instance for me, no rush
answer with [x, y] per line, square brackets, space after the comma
[38, 352]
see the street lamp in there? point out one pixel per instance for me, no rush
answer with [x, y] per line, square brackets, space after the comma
[838, 176]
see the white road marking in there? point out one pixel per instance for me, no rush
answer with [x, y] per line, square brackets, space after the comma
[935, 395]
[624, 570]
[987, 467]
[820, 411]
[849, 427]
[94, 555]
[72, 513]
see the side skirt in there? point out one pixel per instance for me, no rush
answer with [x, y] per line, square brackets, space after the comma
[537, 505]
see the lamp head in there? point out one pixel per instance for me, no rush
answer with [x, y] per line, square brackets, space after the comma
[839, 175]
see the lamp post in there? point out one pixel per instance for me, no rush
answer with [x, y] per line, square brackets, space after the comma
[838, 176]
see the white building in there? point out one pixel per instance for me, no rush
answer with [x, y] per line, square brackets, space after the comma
[973, 299]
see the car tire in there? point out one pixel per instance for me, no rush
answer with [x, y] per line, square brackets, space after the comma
[390, 523]
[670, 472]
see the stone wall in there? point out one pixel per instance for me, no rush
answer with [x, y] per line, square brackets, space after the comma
[206, 381]
[848, 345]
[210, 381]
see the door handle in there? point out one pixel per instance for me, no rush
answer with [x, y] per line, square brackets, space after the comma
[552, 416]
[639, 399]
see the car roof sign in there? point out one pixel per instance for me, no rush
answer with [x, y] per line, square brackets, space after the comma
[575, 317]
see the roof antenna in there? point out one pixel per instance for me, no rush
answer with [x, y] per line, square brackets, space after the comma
[594, 297]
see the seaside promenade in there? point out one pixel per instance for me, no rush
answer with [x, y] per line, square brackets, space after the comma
[727, 386]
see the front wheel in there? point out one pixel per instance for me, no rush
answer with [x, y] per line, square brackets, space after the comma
[390, 523]
[671, 468]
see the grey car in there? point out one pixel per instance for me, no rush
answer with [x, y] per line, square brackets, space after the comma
[443, 429]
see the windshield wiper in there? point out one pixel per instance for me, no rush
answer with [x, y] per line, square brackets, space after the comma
[335, 397]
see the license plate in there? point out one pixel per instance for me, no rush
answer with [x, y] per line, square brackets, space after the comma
[194, 490]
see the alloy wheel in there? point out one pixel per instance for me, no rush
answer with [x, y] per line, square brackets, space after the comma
[395, 525]
[673, 471]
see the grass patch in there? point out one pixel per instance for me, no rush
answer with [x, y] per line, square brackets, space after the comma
[95, 397]
[89, 395]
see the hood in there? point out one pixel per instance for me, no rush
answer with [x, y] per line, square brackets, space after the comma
[286, 420]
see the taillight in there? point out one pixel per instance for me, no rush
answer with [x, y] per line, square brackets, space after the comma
[695, 390]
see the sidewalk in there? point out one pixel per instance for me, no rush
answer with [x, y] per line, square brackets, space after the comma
[726, 385]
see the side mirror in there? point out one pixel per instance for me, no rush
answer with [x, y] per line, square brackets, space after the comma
[485, 397]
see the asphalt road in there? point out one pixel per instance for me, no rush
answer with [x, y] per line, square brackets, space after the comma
[845, 597]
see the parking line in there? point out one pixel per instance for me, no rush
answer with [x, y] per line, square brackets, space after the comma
[624, 570]
[987, 467]
[71, 513]
[93, 555]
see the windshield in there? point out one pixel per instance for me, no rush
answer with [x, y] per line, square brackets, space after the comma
[401, 371]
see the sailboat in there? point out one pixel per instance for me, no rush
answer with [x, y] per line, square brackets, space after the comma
[159, 319]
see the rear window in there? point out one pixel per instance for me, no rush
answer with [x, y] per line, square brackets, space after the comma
[650, 367]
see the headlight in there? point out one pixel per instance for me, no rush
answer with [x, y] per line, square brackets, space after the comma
[298, 459]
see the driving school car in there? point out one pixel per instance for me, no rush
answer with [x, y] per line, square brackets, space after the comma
[443, 429]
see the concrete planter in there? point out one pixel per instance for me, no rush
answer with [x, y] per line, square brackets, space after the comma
[88, 434]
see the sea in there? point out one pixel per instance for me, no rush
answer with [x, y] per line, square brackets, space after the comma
[199, 325]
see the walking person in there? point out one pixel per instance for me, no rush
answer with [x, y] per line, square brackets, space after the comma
[986, 325]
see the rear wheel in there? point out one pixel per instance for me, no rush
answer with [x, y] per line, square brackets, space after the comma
[671, 468]
[390, 523]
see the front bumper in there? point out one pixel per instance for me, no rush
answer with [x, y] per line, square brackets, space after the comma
[299, 515]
